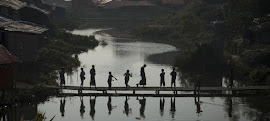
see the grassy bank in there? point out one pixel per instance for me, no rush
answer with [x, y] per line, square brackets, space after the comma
[60, 51]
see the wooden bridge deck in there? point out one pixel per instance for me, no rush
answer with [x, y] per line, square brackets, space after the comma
[162, 95]
[163, 88]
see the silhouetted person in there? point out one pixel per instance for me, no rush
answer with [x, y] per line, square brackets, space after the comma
[93, 74]
[162, 78]
[231, 78]
[62, 107]
[92, 107]
[62, 77]
[127, 110]
[82, 107]
[127, 75]
[172, 110]
[198, 82]
[142, 109]
[143, 81]
[82, 76]
[161, 105]
[110, 80]
[173, 74]
[109, 105]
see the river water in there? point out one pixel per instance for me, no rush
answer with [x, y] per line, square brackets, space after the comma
[124, 54]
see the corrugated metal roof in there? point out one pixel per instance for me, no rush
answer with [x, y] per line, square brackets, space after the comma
[14, 4]
[6, 57]
[128, 3]
[20, 26]
[39, 9]
[173, 2]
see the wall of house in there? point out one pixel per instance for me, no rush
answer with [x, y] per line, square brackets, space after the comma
[3, 38]
[23, 45]
[34, 16]
[6, 75]
[266, 36]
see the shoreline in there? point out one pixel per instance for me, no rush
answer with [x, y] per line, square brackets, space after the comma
[115, 33]
[164, 58]
[155, 58]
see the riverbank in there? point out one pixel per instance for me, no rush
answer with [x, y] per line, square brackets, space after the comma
[199, 26]
[168, 58]
[118, 33]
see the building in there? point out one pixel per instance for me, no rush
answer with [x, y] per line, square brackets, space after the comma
[6, 68]
[58, 12]
[173, 2]
[213, 2]
[23, 11]
[79, 3]
[34, 14]
[21, 39]
[10, 7]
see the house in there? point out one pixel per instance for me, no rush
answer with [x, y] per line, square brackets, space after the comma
[10, 7]
[213, 2]
[21, 39]
[6, 67]
[58, 12]
[79, 3]
[173, 2]
[23, 11]
[34, 14]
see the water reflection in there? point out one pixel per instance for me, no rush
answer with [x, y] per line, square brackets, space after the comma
[127, 110]
[62, 106]
[230, 106]
[232, 115]
[197, 103]
[173, 109]
[109, 105]
[142, 108]
[82, 107]
[161, 105]
[92, 107]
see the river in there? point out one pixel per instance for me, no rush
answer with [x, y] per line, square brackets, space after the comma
[126, 54]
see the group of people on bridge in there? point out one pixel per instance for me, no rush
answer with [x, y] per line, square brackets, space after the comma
[127, 75]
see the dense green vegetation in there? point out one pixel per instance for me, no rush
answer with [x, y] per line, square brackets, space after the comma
[59, 50]
[191, 29]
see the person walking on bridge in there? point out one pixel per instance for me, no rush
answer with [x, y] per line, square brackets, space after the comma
[162, 78]
[231, 78]
[92, 79]
[62, 77]
[143, 81]
[110, 79]
[82, 76]
[173, 74]
[127, 75]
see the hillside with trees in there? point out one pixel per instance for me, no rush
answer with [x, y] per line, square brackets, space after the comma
[202, 25]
